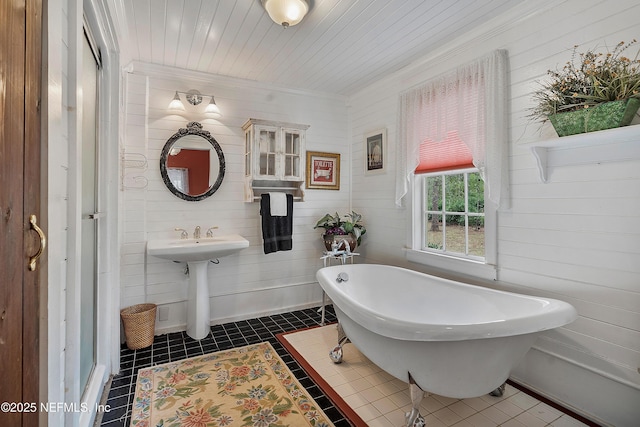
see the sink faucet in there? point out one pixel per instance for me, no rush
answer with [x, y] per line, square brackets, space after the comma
[183, 233]
[196, 232]
[210, 231]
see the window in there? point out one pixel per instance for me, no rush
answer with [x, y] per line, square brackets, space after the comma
[453, 213]
[452, 164]
[453, 223]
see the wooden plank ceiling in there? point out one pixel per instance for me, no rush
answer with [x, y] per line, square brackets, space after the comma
[340, 47]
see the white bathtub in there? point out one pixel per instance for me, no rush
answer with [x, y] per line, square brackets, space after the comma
[454, 339]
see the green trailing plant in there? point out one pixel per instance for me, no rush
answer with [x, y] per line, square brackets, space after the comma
[342, 225]
[590, 78]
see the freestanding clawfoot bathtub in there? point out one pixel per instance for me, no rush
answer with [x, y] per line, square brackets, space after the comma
[444, 337]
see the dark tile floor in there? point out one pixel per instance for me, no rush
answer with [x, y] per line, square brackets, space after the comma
[178, 345]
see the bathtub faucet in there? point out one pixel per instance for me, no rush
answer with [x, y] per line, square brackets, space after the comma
[342, 277]
[347, 246]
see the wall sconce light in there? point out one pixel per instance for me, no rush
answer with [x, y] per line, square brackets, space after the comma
[176, 104]
[212, 107]
[194, 98]
[286, 12]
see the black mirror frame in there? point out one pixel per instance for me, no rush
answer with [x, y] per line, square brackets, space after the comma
[193, 128]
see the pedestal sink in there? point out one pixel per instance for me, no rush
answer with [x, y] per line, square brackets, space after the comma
[197, 253]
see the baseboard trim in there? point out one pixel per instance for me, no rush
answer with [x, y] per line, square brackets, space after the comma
[183, 327]
[551, 403]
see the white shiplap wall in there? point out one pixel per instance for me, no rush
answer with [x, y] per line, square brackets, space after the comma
[250, 283]
[62, 94]
[52, 375]
[576, 238]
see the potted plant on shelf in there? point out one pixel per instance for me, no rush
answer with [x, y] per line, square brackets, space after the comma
[593, 91]
[347, 227]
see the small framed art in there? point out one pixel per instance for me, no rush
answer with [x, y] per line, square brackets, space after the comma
[323, 170]
[375, 149]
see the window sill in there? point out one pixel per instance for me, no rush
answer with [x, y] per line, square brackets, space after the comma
[467, 267]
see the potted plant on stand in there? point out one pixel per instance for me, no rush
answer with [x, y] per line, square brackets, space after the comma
[592, 92]
[347, 227]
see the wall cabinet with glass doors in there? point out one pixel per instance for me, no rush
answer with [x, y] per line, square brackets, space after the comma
[274, 158]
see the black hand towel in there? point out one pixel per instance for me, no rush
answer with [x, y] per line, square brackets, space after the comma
[276, 230]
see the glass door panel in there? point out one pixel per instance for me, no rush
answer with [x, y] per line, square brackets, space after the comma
[267, 149]
[292, 143]
[88, 222]
[292, 154]
[288, 166]
[247, 155]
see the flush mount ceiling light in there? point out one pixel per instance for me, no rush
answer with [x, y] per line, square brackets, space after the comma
[194, 98]
[286, 12]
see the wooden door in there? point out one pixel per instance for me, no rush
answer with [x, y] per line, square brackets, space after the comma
[20, 151]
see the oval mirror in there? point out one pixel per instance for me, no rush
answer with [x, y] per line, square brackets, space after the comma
[192, 163]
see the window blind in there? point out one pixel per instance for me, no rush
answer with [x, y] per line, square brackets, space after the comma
[449, 154]
[472, 100]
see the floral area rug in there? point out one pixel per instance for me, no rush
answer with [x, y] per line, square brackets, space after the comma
[246, 386]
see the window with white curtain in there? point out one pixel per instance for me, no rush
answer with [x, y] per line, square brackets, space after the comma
[453, 144]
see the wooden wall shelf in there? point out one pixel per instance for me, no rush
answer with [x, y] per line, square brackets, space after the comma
[612, 145]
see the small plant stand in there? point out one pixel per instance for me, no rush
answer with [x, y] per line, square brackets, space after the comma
[327, 258]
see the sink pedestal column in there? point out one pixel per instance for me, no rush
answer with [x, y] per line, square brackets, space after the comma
[198, 305]
[197, 253]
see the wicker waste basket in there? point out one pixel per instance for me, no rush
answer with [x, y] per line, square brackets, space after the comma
[139, 324]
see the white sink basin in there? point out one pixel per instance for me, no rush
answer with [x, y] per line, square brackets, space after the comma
[197, 253]
[204, 249]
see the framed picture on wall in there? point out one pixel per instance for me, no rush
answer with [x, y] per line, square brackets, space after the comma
[323, 170]
[375, 149]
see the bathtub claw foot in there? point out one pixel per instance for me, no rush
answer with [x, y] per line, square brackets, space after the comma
[336, 354]
[499, 391]
[413, 418]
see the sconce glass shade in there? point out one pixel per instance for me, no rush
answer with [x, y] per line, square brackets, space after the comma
[212, 107]
[176, 104]
[286, 12]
